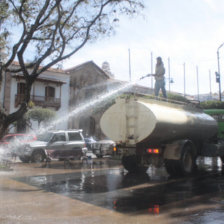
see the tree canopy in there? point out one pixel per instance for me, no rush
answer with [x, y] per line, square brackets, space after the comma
[40, 115]
[40, 34]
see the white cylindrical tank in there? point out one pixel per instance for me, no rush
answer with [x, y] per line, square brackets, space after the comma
[130, 121]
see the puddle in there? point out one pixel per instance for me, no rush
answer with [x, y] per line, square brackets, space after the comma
[114, 189]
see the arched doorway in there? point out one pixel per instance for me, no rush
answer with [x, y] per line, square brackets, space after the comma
[88, 125]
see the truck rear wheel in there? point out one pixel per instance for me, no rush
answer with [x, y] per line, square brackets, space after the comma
[187, 161]
[130, 163]
[185, 165]
[133, 164]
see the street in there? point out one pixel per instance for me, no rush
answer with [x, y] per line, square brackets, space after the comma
[101, 191]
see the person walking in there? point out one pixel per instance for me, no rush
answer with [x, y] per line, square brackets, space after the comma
[160, 78]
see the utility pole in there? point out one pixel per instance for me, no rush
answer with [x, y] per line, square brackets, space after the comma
[220, 96]
[210, 84]
[169, 72]
[184, 81]
[151, 70]
[129, 61]
[197, 81]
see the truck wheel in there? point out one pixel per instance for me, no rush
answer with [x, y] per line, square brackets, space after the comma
[132, 164]
[185, 166]
[187, 161]
[38, 156]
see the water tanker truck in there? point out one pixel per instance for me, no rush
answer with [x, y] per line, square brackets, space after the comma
[149, 131]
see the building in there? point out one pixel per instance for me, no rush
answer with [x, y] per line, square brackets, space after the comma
[50, 90]
[86, 81]
[65, 91]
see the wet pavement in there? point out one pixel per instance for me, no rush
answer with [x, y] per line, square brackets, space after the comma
[101, 191]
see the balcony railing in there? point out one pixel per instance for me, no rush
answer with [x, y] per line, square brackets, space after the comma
[42, 101]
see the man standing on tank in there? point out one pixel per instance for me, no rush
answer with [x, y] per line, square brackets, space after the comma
[160, 78]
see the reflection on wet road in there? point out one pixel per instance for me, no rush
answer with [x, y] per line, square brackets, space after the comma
[214, 217]
[112, 188]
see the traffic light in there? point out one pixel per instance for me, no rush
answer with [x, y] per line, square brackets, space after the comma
[217, 76]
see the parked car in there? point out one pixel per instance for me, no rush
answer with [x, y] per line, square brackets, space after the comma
[104, 148]
[66, 144]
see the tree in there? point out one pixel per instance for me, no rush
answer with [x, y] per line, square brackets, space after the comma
[40, 115]
[40, 34]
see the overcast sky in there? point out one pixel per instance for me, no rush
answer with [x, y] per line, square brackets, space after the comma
[187, 32]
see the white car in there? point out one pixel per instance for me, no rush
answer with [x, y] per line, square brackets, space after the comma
[64, 144]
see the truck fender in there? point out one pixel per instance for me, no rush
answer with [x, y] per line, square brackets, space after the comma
[174, 150]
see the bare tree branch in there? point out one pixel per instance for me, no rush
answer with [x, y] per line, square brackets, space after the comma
[51, 31]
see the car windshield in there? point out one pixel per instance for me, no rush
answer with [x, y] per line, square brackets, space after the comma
[44, 137]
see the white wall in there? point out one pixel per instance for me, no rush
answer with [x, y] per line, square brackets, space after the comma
[2, 89]
[64, 109]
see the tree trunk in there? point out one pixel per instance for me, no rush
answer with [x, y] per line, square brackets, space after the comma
[6, 120]
[3, 126]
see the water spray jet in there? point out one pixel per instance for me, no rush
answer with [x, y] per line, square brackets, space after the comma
[94, 101]
[88, 104]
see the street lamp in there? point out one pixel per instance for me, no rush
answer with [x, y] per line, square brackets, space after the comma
[197, 82]
[184, 81]
[220, 96]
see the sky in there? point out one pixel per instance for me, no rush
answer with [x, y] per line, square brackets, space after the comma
[186, 32]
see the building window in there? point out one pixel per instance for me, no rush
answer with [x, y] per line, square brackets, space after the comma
[49, 91]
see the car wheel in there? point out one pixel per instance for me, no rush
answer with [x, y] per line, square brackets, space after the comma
[38, 156]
